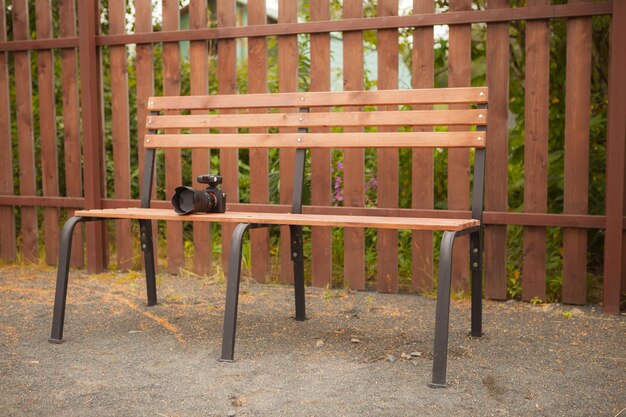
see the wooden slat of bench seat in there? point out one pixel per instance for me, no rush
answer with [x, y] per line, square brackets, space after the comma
[410, 223]
[464, 95]
[326, 119]
[320, 140]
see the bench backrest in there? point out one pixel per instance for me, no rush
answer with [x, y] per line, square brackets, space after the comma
[350, 110]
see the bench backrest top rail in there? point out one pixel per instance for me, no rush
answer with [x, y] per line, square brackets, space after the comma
[462, 95]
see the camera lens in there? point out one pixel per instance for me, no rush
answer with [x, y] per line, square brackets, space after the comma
[187, 200]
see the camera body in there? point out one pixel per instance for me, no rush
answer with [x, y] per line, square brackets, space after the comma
[188, 200]
[219, 196]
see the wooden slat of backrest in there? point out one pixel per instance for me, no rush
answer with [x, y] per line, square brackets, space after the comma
[26, 148]
[200, 158]
[173, 165]
[459, 75]
[466, 95]
[467, 139]
[287, 83]
[120, 131]
[354, 166]
[227, 84]
[536, 153]
[71, 133]
[577, 114]
[496, 175]
[145, 89]
[388, 159]
[8, 250]
[323, 119]
[321, 237]
[422, 159]
[259, 167]
[47, 129]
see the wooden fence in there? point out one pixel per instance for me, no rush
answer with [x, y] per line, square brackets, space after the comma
[75, 137]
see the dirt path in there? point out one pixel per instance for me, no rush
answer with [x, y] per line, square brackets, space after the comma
[351, 358]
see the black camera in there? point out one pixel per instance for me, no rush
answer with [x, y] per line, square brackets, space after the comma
[188, 200]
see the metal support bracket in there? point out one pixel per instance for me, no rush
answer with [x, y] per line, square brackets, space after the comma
[296, 243]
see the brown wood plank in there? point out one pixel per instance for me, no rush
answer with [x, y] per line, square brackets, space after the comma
[227, 84]
[496, 173]
[173, 165]
[423, 71]
[387, 22]
[354, 164]
[321, 238]
[47, 129]
[8, 249]
[259, 165]
[576, 182]
[287, 218]
[120, 131]
[459, 75]
[323, 119]
[71, 123]
[466, 139]
[287, 83]
[200, 158]
[355, 97]
[388, 159]
[614, 263]
[26, 148]
[91, 124]
[145, 89]
[536, 154]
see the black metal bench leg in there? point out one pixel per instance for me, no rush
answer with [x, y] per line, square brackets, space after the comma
[232, 293]
[297, 256]
[58, 316]
[476, 252]
[442, 316]
[147, 248]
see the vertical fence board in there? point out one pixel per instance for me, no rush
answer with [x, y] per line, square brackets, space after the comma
[91, 114]
[577, 114]
[200, 158]
[259, 167]
[423, 73]
[227, 84]
[8, 250]
[321, 237]
[354, 164]
[287, 82]
[614, 263]
[47, 129]
[71, 129]
[496, 175]
[459, 75]
[173, 165]
[23, 98]
[145, 89]
[120, 131]
[536, 153]
[388, 159]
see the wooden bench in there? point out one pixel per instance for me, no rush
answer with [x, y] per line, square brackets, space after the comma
[291, 110]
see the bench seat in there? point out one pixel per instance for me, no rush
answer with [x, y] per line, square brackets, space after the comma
[287, 219]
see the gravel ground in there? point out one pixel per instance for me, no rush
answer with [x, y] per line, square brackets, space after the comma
[351, 358]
